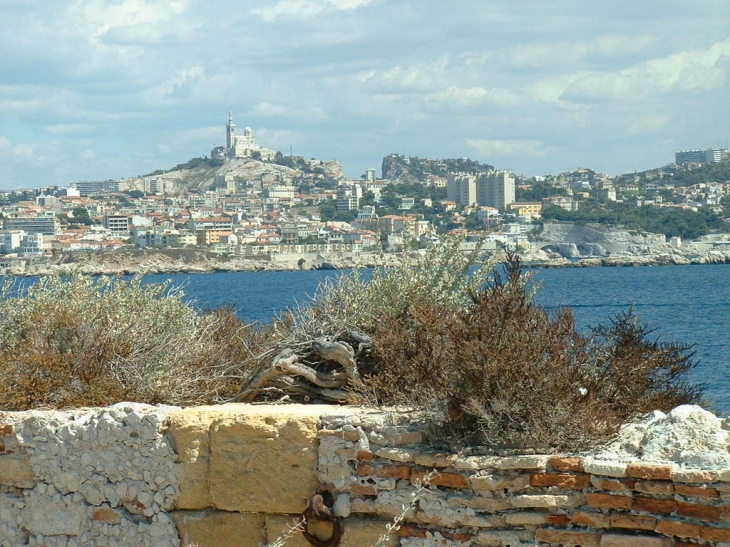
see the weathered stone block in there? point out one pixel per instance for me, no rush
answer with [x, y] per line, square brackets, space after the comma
[546, 501]
[15, 470]
[662, 488]
[219, 528]
[189, 430]
[263, 458]
[605, 468]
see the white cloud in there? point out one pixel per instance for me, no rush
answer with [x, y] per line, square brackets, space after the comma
[508, 147]
[648, 124]
[422, 76]
[267, 109]
[470, 97]
[11, 151]
[68, 128]
[687, 70]
[305, 9]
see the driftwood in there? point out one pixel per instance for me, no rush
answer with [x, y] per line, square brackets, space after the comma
[294, 373]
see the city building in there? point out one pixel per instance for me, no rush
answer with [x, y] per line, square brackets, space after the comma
[708, 155]
[491, 188]
[47, 224]
[117, 224]
[461, 188]
[88, 188]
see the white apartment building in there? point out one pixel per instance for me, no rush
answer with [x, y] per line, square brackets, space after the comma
[491, 189]
[461, 188]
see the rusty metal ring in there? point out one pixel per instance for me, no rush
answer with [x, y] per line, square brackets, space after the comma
[318, 510]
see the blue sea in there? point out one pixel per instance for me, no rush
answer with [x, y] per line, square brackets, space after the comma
[687, 304]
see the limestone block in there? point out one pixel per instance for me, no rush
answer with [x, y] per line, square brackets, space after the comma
[219, 529]
[189, 431]
[57, 516]
[15, 470]
[263, 458]
[11, 506]
[357, 532]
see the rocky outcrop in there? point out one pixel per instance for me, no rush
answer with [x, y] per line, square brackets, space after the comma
[246, 169]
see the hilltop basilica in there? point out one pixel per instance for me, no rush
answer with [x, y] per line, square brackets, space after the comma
[241, 146]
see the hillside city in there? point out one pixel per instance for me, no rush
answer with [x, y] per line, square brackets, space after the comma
[247, 200]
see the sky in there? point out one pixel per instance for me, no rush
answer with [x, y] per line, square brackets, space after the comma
[108, 89]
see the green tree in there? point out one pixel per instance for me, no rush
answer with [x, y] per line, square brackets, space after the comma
[81, 216]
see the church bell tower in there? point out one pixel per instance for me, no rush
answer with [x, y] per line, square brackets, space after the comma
[230, 132]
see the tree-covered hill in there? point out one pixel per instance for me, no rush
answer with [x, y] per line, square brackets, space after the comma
[670, 221]
[412, 169]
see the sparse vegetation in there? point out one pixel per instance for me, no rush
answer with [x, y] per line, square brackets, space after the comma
[467, 345]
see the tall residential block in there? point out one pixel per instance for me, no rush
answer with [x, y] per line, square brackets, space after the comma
[490, 188]
[461, 188]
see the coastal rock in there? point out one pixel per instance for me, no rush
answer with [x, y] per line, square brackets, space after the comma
[689, 436]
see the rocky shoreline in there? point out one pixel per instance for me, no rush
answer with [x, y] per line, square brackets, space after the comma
[174, 261]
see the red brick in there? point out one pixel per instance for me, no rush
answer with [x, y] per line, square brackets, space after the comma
[365, 456]
[716, 534]
[594, 520]
[697, 511]
[654, 505]
[410, 530]
[562, 537]
[449, 480]
[649, 471]
[608, 501]
[108, 515]
[622, 540]
[696, 491]
[678, 529]
[558, 520]
[632, 522]
[365, 470]
[6, 429]
[664, 488]
[560, 463]
[393, 472]
[613, 485]
[561, 480]
[364, 490]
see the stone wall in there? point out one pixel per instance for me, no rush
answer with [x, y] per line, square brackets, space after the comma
[240, 476]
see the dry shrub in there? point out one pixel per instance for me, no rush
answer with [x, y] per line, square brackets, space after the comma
[94, 341]
[504, 367]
